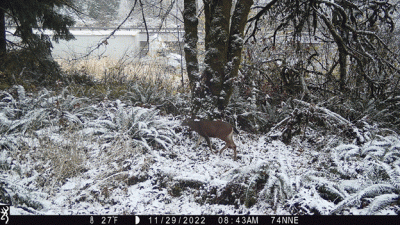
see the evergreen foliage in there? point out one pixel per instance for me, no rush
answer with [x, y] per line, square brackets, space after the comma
[27, 15]
[31, 58]
[313, 140]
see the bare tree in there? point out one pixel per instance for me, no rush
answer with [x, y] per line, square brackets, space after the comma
[355, 27]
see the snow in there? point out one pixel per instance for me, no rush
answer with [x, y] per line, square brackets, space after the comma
[190, 166]
[131, 160]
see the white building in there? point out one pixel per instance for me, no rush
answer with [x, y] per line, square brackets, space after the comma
[124, 43]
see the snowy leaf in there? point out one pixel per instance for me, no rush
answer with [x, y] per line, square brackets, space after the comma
[381, 202]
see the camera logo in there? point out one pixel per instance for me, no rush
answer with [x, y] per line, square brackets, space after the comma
[4, 213]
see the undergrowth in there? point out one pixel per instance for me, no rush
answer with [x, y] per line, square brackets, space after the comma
[116, 119]
[59, 130]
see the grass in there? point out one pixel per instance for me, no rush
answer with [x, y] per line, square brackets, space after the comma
[108, 70]
[43, 131]
[144, 83]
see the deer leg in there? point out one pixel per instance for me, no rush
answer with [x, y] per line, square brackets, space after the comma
[234, 151]
[222, 149]
[208, 142]
[198, 141]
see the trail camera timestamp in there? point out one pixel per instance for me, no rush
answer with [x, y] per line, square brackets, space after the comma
[238, 220]
[222, 220]
[177, 220]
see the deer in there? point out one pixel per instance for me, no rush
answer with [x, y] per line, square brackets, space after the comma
[215, 129]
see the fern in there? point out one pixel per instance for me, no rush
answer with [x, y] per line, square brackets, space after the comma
[377, 160]
[5, 123]
[9, 142]
[344, 152]
[394, 174]
[278, 187]
[327, 189]
[369, 192]
[374, 191]
[308, 202]
[382, 202]
[346, 202]
[33, 119]
[139, 123]
[342, 155]
[373, 151]
[148, 91]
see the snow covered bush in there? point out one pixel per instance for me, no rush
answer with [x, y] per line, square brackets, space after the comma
[138, 123]
[278, 187]
[254, 116]
[108, 152]
[56, 131]
[384, 112]
[360, 179]
[376, 165]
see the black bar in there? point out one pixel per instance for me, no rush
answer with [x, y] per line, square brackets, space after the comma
[202, 219]
[86, 219]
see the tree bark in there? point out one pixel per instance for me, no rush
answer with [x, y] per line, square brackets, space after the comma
[3, 42]
[343, 68]
[223, 45]
[217, 24]
[192, 65]
[212, 88]
[236, 41]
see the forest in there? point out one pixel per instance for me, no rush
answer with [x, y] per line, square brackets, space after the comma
[311, 86]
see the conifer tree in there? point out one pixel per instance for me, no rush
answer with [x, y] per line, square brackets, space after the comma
[29, 14]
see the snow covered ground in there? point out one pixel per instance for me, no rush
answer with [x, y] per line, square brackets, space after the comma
[103, 188]
[66, 155]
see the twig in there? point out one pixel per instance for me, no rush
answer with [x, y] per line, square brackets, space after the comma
[338, 118]
[109, 36]
[145, 26]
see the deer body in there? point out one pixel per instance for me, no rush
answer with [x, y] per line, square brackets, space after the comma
[216, 129]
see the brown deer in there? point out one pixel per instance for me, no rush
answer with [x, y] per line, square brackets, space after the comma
[218, 129]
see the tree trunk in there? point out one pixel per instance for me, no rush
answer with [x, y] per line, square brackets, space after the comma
[192, 66]
[343, 68]
[238, 20]
[341, 49]
[217, 21]
[212, 90]
[3, 42]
